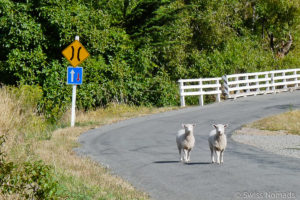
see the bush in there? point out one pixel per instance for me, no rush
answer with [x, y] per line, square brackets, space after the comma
[31, 180]
[139, 49]
[28, 95]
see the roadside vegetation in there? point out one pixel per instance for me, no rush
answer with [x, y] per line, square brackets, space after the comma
[139, 49]
[37, 158]
[288, 121]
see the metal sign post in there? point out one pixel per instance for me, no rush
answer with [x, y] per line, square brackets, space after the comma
[73, 116]
[75, 53]
[73, 106]
[74, 77]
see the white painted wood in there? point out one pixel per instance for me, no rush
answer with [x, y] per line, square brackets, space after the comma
[181, 91]
[241, 85]
[201, 94]
[199, 87]
[260, 82]
[295, 75]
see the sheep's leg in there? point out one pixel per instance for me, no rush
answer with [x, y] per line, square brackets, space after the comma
[189, 155]
[212, 155]
[218, 156]
[180, 157]
[221, 156]
[185, 151]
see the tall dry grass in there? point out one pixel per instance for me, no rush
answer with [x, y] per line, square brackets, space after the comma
[112, 113]
[19, 121]
[11, 120]
[9, 110]
[288, 121]
[79, 177]
[59, 152]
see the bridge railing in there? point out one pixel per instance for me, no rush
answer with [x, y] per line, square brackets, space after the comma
[199, 87]
[240, 85]
[284, 80]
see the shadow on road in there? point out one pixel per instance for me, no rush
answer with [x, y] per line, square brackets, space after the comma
[283, 107]
[198, 163]
[173, 161]
[166, 162]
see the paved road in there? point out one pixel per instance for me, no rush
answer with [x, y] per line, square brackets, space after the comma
[143, 151]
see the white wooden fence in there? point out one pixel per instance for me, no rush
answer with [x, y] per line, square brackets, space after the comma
[240, 85]
[199, 87]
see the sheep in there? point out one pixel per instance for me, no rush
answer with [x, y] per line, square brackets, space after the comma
[185, 141]
[217, 142]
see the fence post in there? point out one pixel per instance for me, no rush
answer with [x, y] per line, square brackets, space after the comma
[284, 80]
[201, 95]
[296, 79]
[236, 79]
[218, 89]
[247, 84]
[267, 88]
[273, 82]
[257, 84]
[226, 86]
[181, 91]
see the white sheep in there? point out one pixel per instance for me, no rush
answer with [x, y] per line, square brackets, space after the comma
[217, 142]
[185, 141]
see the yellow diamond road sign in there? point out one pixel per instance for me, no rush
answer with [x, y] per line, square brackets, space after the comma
[75, 53]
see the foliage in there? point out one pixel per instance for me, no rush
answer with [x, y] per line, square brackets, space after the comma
[29, 137]
[28, 96]
[139, 49]
[30, 180]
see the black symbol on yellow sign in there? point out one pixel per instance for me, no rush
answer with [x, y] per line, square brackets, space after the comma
[75, 53]
[78, 53]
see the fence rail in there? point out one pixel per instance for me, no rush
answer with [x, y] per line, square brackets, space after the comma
[240, 85]
[199, 87]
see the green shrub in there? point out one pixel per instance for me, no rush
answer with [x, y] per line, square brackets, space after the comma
[139, 49]
[28, 95]
[31, 180]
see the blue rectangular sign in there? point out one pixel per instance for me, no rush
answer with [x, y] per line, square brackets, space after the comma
[74, 75]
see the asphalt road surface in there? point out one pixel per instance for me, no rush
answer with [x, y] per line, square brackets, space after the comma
[143, 151]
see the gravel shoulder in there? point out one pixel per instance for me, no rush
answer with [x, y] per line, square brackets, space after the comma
[278, 142]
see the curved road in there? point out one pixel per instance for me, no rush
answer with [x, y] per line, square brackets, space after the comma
[143, 151]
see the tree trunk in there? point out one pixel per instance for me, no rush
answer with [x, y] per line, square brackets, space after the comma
[271, 41]
[285, 47]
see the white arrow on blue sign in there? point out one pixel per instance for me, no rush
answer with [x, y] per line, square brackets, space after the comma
[74, 75]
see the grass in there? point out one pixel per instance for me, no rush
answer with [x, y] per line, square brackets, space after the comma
[288, 121]
[298, 149]
[30, 138]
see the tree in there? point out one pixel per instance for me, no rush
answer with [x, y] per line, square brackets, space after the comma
[277, 19]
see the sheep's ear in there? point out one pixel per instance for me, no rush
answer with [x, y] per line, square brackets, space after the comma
[226, 125]
[215, 126]
[194, 125]
[183, 125]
